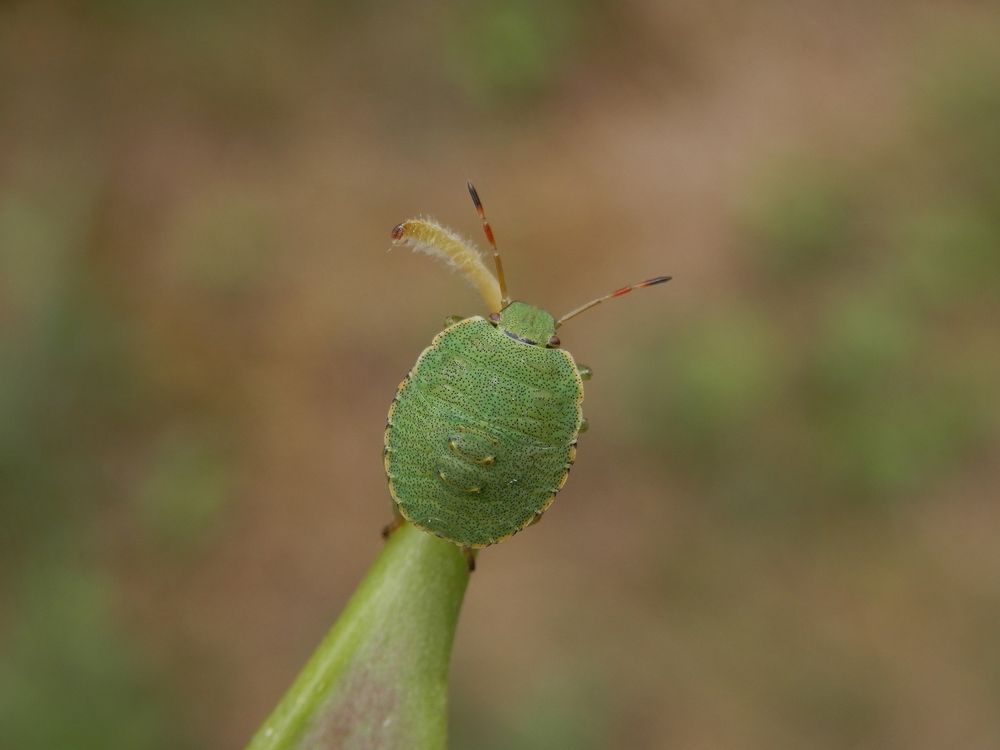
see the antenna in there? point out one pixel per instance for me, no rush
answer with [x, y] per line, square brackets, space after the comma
[617, 293]
[488, 231]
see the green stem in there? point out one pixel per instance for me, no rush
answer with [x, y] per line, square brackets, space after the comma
[380, 677]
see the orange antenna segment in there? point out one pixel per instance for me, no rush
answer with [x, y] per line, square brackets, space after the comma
[617, 293]
[488, 231]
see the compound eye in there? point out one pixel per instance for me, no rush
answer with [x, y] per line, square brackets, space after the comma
[495, 317]
[554, 341]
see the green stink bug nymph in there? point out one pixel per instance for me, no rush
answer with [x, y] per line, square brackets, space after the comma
[482, 432]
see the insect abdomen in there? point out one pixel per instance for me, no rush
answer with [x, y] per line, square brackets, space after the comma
[481, 434]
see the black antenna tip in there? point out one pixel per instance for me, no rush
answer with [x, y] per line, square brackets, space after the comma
[473, 193]
[657, 280]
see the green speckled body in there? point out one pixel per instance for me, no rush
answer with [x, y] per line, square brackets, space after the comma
[482, 433]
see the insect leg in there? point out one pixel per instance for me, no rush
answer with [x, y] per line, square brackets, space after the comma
[470, 557]
[395, 523]
[429, 237]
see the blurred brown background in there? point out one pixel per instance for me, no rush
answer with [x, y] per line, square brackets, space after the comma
[781, 531]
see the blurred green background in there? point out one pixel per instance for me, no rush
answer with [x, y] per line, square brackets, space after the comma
[782, 529]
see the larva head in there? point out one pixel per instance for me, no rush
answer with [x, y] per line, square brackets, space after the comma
[527, 323]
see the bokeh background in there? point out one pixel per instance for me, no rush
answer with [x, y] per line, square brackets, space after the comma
[782, 530]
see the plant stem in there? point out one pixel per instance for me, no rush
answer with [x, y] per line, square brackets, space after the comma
[380, 677]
